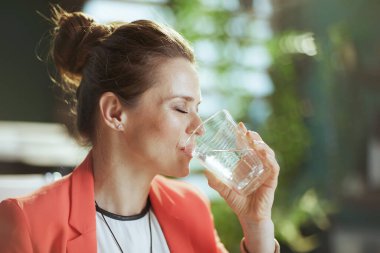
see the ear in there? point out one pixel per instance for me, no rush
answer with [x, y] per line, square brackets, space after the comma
[111, 111]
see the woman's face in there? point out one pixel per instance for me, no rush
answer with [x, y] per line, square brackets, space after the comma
[157, 128]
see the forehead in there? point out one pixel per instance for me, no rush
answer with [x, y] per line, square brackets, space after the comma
[176, 77]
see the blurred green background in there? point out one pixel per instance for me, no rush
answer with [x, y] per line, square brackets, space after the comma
[304, 74]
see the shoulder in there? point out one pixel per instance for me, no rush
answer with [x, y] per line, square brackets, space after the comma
[27, 218]
[38, 201]
[14, 228]
[24, 218]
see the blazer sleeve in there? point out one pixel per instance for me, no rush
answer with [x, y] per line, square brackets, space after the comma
[14, 229]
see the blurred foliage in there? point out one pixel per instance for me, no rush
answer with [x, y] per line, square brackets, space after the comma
[286, 133]
[227, 225]
[284, 130]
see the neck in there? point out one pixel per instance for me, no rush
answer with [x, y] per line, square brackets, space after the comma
[121, 187]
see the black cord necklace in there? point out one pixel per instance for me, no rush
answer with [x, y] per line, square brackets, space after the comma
[113, 235]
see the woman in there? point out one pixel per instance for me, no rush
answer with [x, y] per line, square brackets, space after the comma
[137, 97]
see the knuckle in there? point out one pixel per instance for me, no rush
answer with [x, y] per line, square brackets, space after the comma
[253, 133]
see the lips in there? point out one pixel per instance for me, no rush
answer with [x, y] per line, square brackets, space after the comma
[188, 150]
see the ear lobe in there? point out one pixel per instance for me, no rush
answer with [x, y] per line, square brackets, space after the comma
[111, 111]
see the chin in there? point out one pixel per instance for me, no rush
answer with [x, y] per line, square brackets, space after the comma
[184, 172]
[178, 173]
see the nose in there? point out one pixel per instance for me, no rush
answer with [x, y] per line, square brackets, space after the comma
[200, 130]
[195, 126]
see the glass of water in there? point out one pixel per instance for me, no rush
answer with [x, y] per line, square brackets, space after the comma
[224, 150]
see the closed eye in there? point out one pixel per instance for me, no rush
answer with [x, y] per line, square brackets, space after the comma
[181, 111]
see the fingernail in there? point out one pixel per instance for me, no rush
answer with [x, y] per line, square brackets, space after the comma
[241, 124]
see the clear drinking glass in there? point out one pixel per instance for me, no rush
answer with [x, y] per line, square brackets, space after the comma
[224, 150]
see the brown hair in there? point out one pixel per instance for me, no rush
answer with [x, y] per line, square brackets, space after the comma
[121, 58]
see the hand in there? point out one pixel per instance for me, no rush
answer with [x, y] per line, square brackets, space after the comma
[254, 211]
[257, 206]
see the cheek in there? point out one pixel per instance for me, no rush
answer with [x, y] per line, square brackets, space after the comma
[170, 128]
[161, 141]
[159, 134]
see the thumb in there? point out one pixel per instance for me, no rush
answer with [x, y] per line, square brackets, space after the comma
[217, 184]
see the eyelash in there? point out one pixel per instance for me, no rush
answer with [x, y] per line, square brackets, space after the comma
[181, 111]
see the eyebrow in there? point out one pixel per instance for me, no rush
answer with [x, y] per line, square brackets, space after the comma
[187, 98]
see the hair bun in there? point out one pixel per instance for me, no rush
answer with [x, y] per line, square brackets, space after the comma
[74, 36]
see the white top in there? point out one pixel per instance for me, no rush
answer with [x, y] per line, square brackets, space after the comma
[132, 232]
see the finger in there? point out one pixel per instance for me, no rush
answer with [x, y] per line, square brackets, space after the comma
[261, 146]
[213, 181]
[254, 135]
[242, 127]
[241, 132]
[217, 184]
[258, 143]
[267, 159]
[271, 164]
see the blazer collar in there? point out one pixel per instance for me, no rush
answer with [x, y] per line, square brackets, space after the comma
[82, 211]
[168, 214]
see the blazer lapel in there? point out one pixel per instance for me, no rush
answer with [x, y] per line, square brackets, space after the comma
[82, 209]
[172, 224]
[83, 243]
[82, 214]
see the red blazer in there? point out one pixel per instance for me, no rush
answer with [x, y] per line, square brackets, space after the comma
[61, 217]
